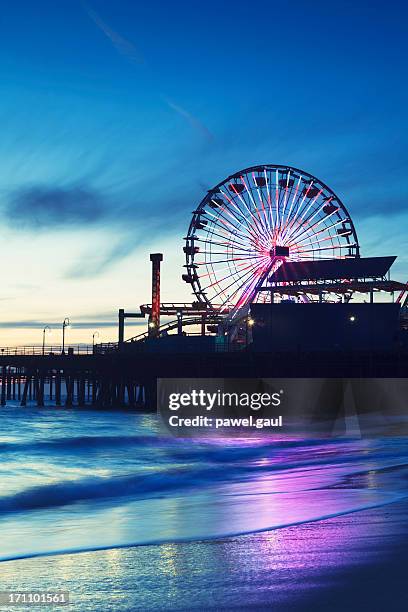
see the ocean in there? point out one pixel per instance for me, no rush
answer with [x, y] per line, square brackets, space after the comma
[110, 492]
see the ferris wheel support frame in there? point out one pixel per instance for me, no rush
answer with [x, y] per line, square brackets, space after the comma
[242, 212]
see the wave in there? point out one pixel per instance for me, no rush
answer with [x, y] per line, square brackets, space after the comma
[99, 488]
[82, 443]
[183, 446]
[192, 490]
[178, 539]
[216, 450]
[141, 485]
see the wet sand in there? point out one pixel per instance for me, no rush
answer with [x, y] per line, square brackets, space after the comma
[351, 562]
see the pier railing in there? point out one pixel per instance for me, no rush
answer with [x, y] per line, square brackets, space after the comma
[71, 349]
[106, 347]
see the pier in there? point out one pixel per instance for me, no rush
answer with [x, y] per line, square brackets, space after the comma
[306, 305]
[127, 379]
[77, 378]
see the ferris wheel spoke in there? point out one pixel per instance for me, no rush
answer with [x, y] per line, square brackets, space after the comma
[247, 292]
[306, 222]
[278, 224]
[299, 207]
[245, 205]
[230, 259]
[225, 221]
[326, 228]
[285, 198]
[299, 203]
[225, 253]
[247, 283]
[237, 251]
[294, 199]
[301, 230]
[241, 219]
[229, 242]
[227, 237]
[224, 289]
[238, 232]
[310, 242]
[329, 237]
[308, 228]
[223, 226]
[323, 230]
[329, 248]
[259, 191]
[264, 225]
[219, 281]
[218, 270]
[315, 246]
[248, 191]
[250, 228]
[269, 200]
[220, 221]
[311, 203]
[318, 210]
[320, 221]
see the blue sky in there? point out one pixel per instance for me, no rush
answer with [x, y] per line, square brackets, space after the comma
[118, 116]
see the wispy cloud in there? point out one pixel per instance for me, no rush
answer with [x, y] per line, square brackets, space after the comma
[123, 46]
[128, 49]
[193, 121]
[92, 265]
[80, 321]
[35, 324]
[93, 262]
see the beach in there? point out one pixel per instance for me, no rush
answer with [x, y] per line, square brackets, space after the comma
[351, 562]
[196, 524]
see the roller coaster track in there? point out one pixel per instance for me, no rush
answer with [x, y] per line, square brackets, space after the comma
[186, 321]
[109, 347]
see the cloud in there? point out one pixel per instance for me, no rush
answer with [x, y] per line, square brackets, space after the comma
[91, 265]
[42, 207]
[81, 322]
[93, 262]
[128, 49]
[193, 121]
[123, 46]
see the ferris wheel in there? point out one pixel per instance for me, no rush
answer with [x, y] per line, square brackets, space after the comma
[254, 221]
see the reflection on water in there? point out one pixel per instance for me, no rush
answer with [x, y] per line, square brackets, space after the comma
[273, 570]
[74, 481]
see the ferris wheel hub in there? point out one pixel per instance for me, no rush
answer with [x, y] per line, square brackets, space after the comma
[279, 251]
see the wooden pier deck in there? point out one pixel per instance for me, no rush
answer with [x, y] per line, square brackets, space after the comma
[84, 377]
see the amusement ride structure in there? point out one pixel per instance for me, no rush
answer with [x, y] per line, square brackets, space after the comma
[255, 221]
[267, 234]
[280, 289]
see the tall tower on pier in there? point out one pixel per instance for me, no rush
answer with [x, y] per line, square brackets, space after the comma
[154, 320]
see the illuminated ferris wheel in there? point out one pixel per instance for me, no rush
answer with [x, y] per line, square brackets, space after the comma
[254, 221]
